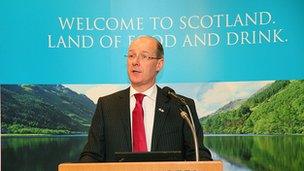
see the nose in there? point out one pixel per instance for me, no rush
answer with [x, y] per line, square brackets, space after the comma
[136, 61]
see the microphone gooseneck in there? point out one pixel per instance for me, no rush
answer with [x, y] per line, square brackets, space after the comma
[171, 93]
[184, 115]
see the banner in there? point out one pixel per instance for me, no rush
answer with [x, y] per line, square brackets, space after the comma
[240, 61]
[85, 42]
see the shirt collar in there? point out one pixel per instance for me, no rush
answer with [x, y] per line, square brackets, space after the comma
[151, 92]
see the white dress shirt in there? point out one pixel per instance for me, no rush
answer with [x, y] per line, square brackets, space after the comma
[148, 104]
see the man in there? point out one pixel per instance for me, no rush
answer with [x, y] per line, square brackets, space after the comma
[141, 118]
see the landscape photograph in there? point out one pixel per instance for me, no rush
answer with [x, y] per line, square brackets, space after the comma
[246, 124]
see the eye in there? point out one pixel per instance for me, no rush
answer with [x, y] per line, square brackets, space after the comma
[131, 56]
[144, 56]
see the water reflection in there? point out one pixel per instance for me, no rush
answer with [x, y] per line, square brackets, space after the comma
[239, 153]
[39, 153]
[260, 152]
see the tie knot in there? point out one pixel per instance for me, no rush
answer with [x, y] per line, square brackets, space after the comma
[139, 97]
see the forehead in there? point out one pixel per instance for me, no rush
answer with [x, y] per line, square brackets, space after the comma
[143, 44]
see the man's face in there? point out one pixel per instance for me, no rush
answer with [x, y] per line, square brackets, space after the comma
[142, 72]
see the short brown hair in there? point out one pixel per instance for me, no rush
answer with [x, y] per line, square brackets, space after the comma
[159, 48]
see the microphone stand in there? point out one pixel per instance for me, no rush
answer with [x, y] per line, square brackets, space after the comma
[190, 121]
[184, 115]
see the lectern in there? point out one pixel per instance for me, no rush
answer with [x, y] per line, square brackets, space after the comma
[144, 166]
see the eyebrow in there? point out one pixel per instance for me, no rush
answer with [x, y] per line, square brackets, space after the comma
[141, 52]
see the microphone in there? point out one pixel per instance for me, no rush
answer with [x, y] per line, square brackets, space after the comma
[171, 94]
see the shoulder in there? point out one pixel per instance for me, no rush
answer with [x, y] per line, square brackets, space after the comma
[112, 97]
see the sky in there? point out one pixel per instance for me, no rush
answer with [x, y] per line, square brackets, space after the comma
[208, 97]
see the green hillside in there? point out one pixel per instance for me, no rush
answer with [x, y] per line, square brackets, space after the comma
[276, 109]
[44, 109]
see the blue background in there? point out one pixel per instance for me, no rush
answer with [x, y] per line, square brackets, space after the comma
[26, 58]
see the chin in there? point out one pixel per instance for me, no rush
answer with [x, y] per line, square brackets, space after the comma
[135, 80]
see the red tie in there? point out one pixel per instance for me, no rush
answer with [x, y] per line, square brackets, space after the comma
[139, 134]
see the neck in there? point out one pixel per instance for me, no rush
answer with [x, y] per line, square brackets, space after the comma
[142, 88]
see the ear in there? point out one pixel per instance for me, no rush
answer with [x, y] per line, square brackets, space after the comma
[160, 64]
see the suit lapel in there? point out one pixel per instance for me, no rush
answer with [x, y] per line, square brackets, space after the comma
[125, 116]
[161, 112]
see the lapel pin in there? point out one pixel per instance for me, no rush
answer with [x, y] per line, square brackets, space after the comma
[161, 110]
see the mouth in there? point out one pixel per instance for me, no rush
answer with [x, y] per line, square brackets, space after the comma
[136, 71]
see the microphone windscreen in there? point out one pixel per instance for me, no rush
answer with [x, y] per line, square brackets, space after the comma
[168, 90]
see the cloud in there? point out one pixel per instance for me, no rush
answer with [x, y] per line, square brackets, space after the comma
[102, 90]
[93, 92]
[222, 93]
[208, 97]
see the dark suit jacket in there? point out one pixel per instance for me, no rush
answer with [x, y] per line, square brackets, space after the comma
[110, 129]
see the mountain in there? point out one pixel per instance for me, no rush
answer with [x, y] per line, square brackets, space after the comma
[231, 105]
[44, 109]
[275, 109]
